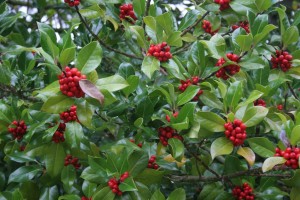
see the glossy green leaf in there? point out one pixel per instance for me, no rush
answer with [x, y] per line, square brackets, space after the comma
[294, 181]
[263, 5]
[139, 7]
[128, 185]
[248, 154]
[221, 146]
[177, 194]
[187, 95]
[166, 22]
[137, 162]
[112, 83]
[133, 82]
[295, 136]
[139, 32]
[175, 39]
[290, 36]
[89, 57]
[262, 146]
[244, 41]
[157, 195]
[54, 159]
[255, 115]
[85, 113]
[177, 148]
[67, 56]
[73, 134]
[211, 121]
[269, 163]
[57, 104]
[189, 19]
[211, 100]
[234, 94]
[24, 173]
[104, 194]
[150, 65]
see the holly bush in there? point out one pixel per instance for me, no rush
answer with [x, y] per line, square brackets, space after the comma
[113, 99]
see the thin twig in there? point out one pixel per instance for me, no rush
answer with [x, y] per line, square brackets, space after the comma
[100, 41]
[195, 24]
[184, 48]
[292, 91]
[146, 12]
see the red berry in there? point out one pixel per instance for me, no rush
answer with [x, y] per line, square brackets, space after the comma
[160, 51]
[235, 131]
[127, 13]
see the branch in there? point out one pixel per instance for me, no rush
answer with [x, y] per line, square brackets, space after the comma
[17, 93]
[184, 48]
[195, 24]
[292, 91]
[22, 3]
[253, 172]
[100, 41]
[146, 11]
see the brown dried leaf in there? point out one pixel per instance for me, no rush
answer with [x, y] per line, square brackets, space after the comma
[90, 89]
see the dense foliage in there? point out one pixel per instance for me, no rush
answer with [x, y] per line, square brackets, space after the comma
[113, 99]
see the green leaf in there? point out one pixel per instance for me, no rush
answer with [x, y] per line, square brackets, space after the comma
[157, 195]
[24, 173]
[262, 146]
[85, 112]
[139, 7]
[89, 57]
[69, 197]
[93, 12]
[189, 19]
[178, 194]
[294, 181]
[244, 41]
[295, 193]
[152, 29]
[177, 148]
[104, 194]
[234, 94]
[216, 46]
[221, 146]
[49, 193]
[211, 121]
[269, 163]
[74, 134]
[211, 100]
[112, 83]
[137, 162]
[68, 177]
[255, 115]
[263, 5]
[175, 39]
[54, 159]
[295, 136]
[140, 34]
[57, 104]
[254, 95]
[263, 34]
[166, 22]
[67, 56]
[48, 40]
[128, 185]
[133, 82]
[290, 36]
[150, 176]
[248, 154]
[150, 65]
[187, 95]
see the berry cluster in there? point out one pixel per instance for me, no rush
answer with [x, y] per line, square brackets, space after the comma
[151, 163]
[282, 60]
[168, 118]
[260, 102]
[22, 147]
[224, 4]
[185, 84]
[72, 2]
[70, 160]
[236, 132]
[114, 183]
[242, 24]
[229, 69]
[280, 107]
[206, 25]
[69, 115]
[69, 82]
[243, 193]
[165, 133]
[139, 144]
[17, 129]
[160, 51]
[58, 136]
[86, 198]
[291, 154]
[126, 12]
